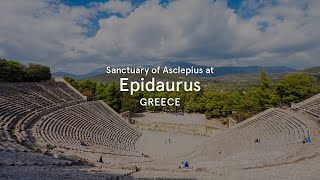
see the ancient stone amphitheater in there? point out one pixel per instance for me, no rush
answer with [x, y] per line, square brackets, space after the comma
[49, 130]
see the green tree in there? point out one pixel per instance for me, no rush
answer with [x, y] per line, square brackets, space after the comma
[214, 104]
[113, 96]
[100, 90]
[233, 103]
[194, 102]
[132, 103]
[72, 82]
[251, 101]
[264, 80]
[12, 71]
[87, 88]
[3, 65]
[37, 72]
[264, 94]
[295, 88]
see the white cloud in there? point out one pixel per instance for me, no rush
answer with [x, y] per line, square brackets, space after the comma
[115, 6]
[185, 29]
[32, 30]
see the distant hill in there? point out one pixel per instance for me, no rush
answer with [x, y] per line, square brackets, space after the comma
[65, 74]
[219, 71]
[134, 77]
[82, 76]
[312, 70]
[249, 77]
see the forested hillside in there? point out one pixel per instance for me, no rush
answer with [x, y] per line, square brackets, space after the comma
[239, 103]
[13, 71]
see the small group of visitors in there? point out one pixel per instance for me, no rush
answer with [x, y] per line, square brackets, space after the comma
[257, 140]
[145, 155]
[184, 165]
[307, 140]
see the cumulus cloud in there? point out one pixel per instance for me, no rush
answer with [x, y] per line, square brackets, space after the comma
[276, 33]
[35, 31]
[114, 6]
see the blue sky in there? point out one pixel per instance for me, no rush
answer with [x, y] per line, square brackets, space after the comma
[135, 2]
[234, 4]
[80, 36]
[231, 3]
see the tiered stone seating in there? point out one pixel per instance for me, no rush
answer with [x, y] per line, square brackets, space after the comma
[9, 158]
[60, 90]
[22, 103]
[53, 114]
[310, 106]
[6, 145]
[281, 133]
[62, 120]
[63, 87]
[101, 129]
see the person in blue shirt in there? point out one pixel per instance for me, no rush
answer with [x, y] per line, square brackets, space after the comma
[309, 140]
[186, 165]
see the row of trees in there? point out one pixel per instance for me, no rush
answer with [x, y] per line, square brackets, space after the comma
[13, 71]
[214, 104]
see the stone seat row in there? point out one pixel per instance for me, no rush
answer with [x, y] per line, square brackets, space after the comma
[278, 130]
[21, 103]
[90, 123]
